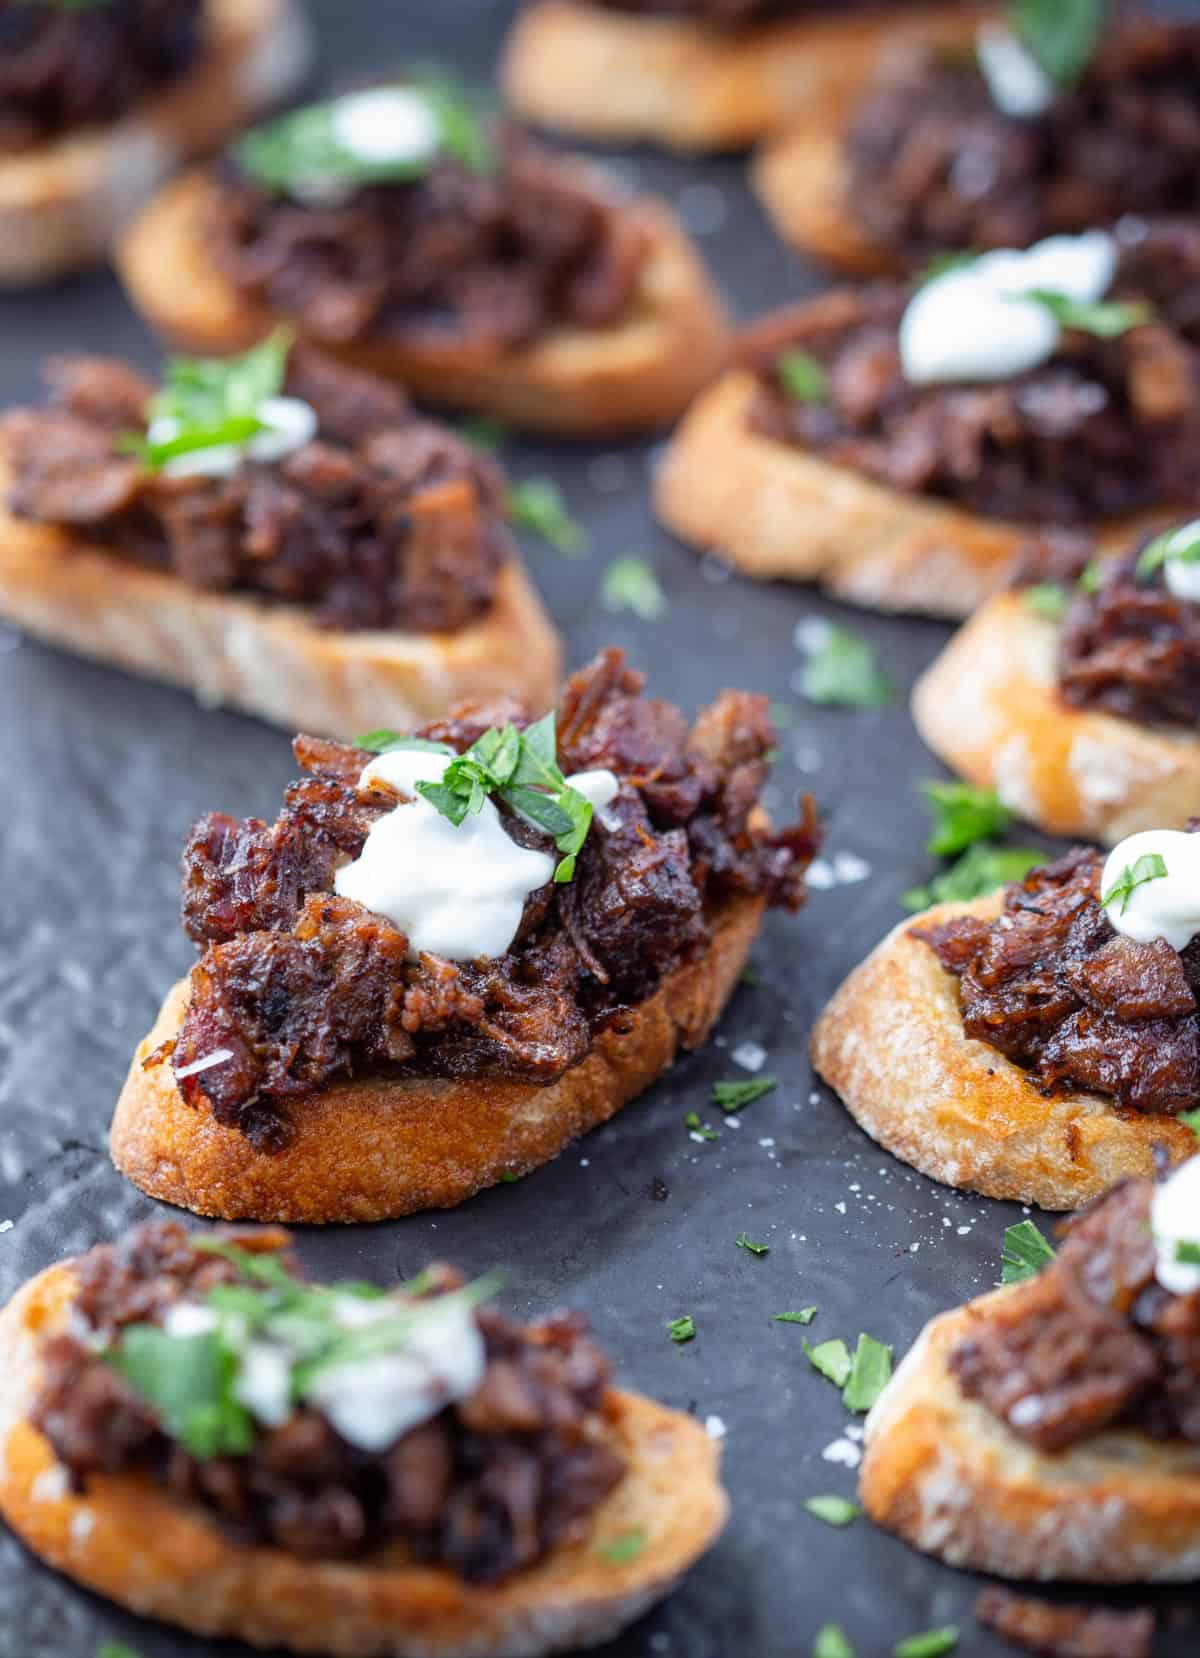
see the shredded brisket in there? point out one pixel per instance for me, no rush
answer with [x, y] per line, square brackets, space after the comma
[1065, 1631]
[1106, 427]
[384, 520]
[494, 258]
[486, 1487]
[934, 164]
[723, 13]
[1094, 1342]
[299, 987]
[1052, 985]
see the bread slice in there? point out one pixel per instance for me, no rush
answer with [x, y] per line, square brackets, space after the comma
[989, 707]
[375, 1148]
[640, 373]
[950, 1478]
[269, 659]
[611, 77]
[63, 203]
[892, 1044]
[128, 1539]
[777, 510]
[802, 180]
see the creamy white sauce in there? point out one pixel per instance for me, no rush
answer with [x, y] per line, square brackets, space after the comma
[264, 1382]
[184, 1318]
[1018, 84]
[457, 892]
[972, 323]
[1183, 576]
[1166, 907]
[1175, 1219]
[386, 124]
[291, 424]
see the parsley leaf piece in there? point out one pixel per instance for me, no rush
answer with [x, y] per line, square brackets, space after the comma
[843, 673]
[1192, 1119]
[1187, 1253]
[626, 1547]
[743, 1242]
[188, 1380]
[384, 741]
[116, 1649]
[735, 1095]
[682, 1329]
[1106, 319]
[931, 1643]
[943, 263]
[835, 1511]
[1091, 579]
[1047, 599]
[832, 1359]
[486, 432]
[831, 1642]
[1061, 35]
[1026, 1252]
[1151, 866]
[1180, 546]
[694, 1126]
[538, 505]
[631, 584]
[981, 869]
[214, 401]
[963, 815]
[802, 376]
[804, 1316]
[870, 1372]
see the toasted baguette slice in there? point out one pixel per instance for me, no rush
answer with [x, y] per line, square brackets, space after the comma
[892, 1044]
[775, 510]
[608, 76]
[801, 180]
[129, 1539]
[989, 707]
[270, 659]
[639, 374]
[378, 1148]
[950, 1478]
[62, 204]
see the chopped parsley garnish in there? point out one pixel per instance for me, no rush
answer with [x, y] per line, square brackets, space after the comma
[835, 1511]
[486, 432]
[943, 263]
[1047, 599]
[980, 870]
[1180, 546]
[870, 1372]
[621, 1549]
[116, 1649]
[831, 1642]
[384, 741]
[1026, 1252]
[521, 767]
[1061, 35]
[538, 505]
[743, 1242]
[931, 1643]
[1091, 579]
[804, 1316]
[212, 402]
[631, 584]
[736, 1095]
[1149, 867]
[1106, 319]
[963, 815]
[683, 1328]
[832, 1359]
[1187, 1253]
[842, 672]
[802, 376]
[1192, 1120]
[189, 1381]
[694, 1126]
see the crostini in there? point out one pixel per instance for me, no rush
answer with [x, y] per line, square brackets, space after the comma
[900, 444]
[450, 958]
[399, 230]
[1076, 693]
[1055, 123]
[1050, 1429]
[276, 532]
[702, 74]
[1038, 1044]
[99, 104]
[190, 1428]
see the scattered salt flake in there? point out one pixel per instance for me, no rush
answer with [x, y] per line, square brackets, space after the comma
[751, 1056]
[842, 1451]
[856, 1187]
[820, 875]
[585, 1162]
[767, 1143]
[912, 1248]
[963, 1230]
[714, 1427]
[856, 1432]
[814, 1098]
[733, 1122]
[7, 1225]
[841, 1206]
[849, 868]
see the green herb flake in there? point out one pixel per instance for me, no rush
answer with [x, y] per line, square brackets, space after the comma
[743, 1242]
[384, 741]
[943, 263]
[802, 376]
[485, 432]
[980, 870]
[213, 402]
[870, 1372]
[509, 1178]
[1187, 1253]
[694, 1126]
[631, 584]
[1149, 867]
[1180, 546]
[736, 1095]
[538, 505]
[842, 672]
[188, 1381]
[1047, 599]
[931, 1643]
[1105, 319]
[831, 1642]
[835, 1511]
[683, 1328]
[963, 815]
[618, 1550]
[805, 1315]
[1061, 35]
[1191, 1119]
[1091, 579]
[116, 1649]
[1025, 1253]
[832, 1359]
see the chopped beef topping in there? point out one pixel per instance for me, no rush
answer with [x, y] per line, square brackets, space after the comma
[488, 1486]
[495, 258]
[299, 987]
[1094, 1342]
[66, 67]
[384, 520]
[1052, 985]
[724, 13]
[1065, 1631]
[934, 164]
[1106, 427]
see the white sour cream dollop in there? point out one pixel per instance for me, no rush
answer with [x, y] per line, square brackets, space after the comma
[1018, 84]
[1175, 1219]
[1182, 576]
[1167, 906]
[290, 422]
[972, 323]
[387, 124]
[457, 891]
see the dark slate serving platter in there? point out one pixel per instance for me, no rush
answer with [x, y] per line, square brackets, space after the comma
[637, 1224]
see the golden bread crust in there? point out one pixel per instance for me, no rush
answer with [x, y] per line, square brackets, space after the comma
[801, 180]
